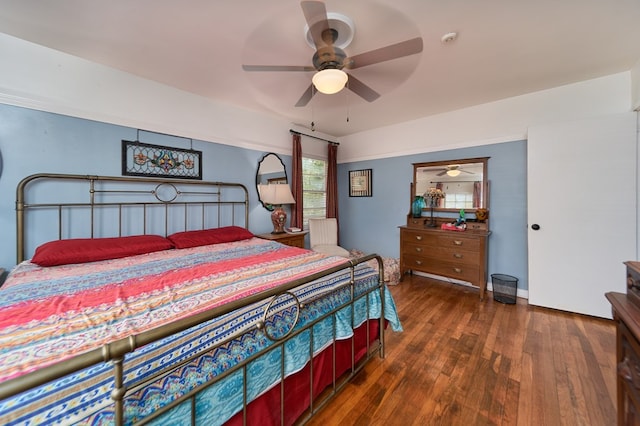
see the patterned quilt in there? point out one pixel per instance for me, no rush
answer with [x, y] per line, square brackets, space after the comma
[48, 315]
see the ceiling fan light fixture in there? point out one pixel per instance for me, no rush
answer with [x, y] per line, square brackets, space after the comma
[453, 172]
[330, 80]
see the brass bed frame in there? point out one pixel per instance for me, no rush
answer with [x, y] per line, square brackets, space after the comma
[161, 206]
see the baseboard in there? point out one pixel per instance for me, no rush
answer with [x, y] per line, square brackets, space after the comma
[522, 293]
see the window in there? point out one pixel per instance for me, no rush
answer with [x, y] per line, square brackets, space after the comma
[458, 201]
[314, 189]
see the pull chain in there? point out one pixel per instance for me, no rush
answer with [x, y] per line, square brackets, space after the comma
[313, 124]
[348, 98]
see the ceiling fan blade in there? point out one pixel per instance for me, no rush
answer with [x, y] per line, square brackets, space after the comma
[442, 173]
[306, 96]
[316, 15]
[393, 51]
[277, 68]
[361, 89]
[466, 171]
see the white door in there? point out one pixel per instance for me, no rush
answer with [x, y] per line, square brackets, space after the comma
[582, 196]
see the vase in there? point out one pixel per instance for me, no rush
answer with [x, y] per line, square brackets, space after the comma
[417, 206]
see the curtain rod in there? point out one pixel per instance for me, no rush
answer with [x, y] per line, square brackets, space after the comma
[453, 181]
[314, 137]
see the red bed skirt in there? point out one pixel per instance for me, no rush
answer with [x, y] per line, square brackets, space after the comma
[265, 410]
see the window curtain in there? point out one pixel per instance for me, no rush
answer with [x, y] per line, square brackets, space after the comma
[332, 180]
[477, 186]
[296, 182]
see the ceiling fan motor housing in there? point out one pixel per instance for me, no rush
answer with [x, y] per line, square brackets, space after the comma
[329, 57]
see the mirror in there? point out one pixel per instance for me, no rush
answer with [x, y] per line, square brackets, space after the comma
[271, 171]
[464, 183]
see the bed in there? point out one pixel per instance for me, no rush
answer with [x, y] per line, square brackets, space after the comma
[148, 301]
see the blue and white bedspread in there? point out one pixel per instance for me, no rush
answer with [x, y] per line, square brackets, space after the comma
[49, 315]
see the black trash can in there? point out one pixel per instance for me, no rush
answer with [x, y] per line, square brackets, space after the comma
[505, 288]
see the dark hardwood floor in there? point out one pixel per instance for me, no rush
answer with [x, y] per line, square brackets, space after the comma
[460, 361]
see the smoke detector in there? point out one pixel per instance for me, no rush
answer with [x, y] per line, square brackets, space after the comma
[449, 37]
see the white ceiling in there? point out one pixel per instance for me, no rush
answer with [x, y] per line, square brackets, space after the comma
[504, 48]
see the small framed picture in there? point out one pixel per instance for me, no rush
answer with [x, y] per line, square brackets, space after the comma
[360, 183]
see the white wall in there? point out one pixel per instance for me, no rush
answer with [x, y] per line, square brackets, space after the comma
[495, 122]
[44, 79]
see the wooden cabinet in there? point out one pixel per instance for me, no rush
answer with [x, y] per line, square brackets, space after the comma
[294, 240]
[458, 255]
[626, 313]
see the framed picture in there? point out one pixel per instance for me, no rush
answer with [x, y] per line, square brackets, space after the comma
[143, 159]
[360, 183]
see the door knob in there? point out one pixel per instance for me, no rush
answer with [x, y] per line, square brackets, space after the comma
[535, 227]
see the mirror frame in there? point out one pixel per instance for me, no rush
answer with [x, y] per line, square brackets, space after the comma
[485, 187]
[284, 171]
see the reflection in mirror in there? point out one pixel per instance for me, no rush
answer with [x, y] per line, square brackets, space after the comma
[463, 181]
[271, 171]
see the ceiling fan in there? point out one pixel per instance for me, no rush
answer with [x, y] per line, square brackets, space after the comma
[453, 170]
[329, 60]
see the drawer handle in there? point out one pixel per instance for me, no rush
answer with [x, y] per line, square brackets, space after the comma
[457, 242]
[457, 255]
[419, 249]
[419, 237]
[632, 284]
[624, 370]
[457, 270]
[418, 262]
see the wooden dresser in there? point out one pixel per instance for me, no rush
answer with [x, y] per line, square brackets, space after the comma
[452, 254]
[626, 314]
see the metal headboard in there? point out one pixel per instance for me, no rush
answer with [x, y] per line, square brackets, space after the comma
[62, 206]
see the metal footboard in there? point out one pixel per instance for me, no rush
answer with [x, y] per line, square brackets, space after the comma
[316, 402]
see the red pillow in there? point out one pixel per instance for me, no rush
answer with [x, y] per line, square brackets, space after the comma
[206, 237]
[83, 250]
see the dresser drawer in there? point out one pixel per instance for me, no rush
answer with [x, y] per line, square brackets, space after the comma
[420, 237]
[293, 240]
[477, 226]
[460, 271]
[440, 239]
[452, 254]
[629, 367]
[458, 241]
[633, 282]
[416, 222]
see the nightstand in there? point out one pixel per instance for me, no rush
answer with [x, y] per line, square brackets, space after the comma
[294, 240]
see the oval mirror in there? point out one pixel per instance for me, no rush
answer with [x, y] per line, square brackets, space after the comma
[464, 183]
[271, 171]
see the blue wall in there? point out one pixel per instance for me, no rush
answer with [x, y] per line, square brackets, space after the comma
[39, 142]
[35, 142]
[371, 223]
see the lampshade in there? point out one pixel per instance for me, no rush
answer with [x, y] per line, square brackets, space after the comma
[330, 80]
[276, 195]
[453, 172]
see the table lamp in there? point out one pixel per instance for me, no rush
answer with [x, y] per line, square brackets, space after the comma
[277, 195]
